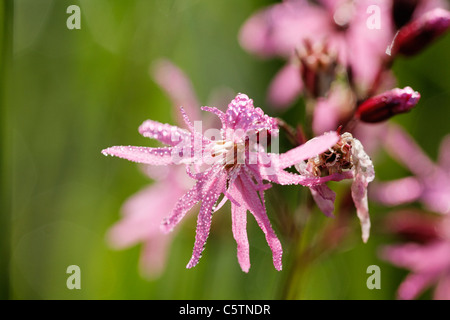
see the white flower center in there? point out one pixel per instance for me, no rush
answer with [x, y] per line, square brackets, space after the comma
[228, 153]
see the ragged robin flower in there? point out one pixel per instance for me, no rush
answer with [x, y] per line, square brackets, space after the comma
[232, 162]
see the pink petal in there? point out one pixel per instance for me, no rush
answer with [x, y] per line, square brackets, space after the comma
[308, 150]
[402, 147]
[280, 28]
[254, 35]
[218, 113]
[253, 202]
[368, 46]
[429, 258]
[414, 285]
[186, 202]
[178, 87]
[239, 228]
[143, 213]
[242, 115]
[396, 192]
[413, 224]
[417, 35]
[442, 291]
[154, 256]
[285, 87]
[152, 156]
[166, 133]
[286, 178]
[324, 198]
[209, 198]
[428, 5]
[444, 154]
[359, 195]
[326, 114]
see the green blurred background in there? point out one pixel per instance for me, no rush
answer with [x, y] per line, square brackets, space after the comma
[67, 94]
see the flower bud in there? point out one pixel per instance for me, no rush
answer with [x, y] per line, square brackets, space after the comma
[387, 104]
[418, 34]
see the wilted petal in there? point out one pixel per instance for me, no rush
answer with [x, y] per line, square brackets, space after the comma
[364, 174]
[324, 198]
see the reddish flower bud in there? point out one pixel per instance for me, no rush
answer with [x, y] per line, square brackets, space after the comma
[417, 35]
[387, 104]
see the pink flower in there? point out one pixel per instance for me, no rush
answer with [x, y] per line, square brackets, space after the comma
[429, 262]
[232, 162]
[282, 29]
[431, 181]
[345, 160]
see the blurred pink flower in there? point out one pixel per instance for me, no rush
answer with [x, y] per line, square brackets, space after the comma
[343, 25]
[345, 160]
[335, 109]
[431, 181]
[429, 262]
[234, 164]
[142, 216]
